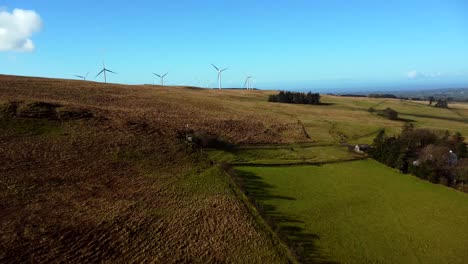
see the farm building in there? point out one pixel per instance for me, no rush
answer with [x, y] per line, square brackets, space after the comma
[361, 148]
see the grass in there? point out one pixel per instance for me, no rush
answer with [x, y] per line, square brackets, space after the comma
[362, 212]
[30, 126]
[216, 186]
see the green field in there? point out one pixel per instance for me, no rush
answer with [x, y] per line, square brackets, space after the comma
[361, 212]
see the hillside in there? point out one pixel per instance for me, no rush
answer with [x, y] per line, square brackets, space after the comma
[93, 171]
[119, 185]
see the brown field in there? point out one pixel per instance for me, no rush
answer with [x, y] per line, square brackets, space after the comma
[119, 186]
[98, 174]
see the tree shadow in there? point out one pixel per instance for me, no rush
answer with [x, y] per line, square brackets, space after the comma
[301, 242]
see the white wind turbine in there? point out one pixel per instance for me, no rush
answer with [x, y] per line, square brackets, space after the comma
[161, 76]
[248, 83]
[219, 75]
[104, 70]
[82, 77]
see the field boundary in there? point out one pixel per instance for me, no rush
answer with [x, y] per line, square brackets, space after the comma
[259, 219]
[302, 163]
[274, 225]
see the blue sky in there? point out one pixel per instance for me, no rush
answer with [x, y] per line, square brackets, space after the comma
[317, 45]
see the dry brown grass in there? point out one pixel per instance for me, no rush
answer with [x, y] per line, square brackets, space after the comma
[166, 108]
[117, 187]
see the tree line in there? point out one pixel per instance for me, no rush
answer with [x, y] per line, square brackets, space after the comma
[387, 113]
[295, 98]
[382, 96]
[429, 155]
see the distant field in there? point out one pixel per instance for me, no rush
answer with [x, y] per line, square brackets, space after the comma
[362, 212]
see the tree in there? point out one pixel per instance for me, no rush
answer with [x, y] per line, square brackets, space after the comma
[378, 142]
[461, 150]
[436, 157]
[295, 98]
[457, 143]
[431, 99]
[390, 114]
[441, 103]
[461, 171]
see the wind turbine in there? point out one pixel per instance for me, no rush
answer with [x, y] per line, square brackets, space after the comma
[161, 76]
[219, 74]
[82, 77]
[104, 70]
[247, 83]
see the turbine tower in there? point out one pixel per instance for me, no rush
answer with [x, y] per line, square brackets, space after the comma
[82, 77]
[104, 70]
[219, 75]
[161, 76]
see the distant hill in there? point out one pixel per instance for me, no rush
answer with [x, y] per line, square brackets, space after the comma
[459, 94]
[456, 93]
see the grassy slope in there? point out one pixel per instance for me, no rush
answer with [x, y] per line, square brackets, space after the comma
[365, 125]
[364, 212]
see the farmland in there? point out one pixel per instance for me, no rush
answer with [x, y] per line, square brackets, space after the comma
[93, 171]
[361, 212]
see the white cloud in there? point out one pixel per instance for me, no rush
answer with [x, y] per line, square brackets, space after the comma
[415, 74]
[16, 29]
[436, 74]
[433, 75]
[423, 75]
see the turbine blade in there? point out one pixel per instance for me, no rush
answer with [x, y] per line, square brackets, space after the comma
[79, 76]
[245, 84]
[86, 74]
[99, 73]
[165, 74]
[157, 75]
[215, 67]
[224, 69]
[111, 71]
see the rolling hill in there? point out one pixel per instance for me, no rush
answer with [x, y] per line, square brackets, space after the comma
[92, 172]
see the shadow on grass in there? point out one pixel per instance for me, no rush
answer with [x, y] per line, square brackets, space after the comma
[301, 242]
[406, 120]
